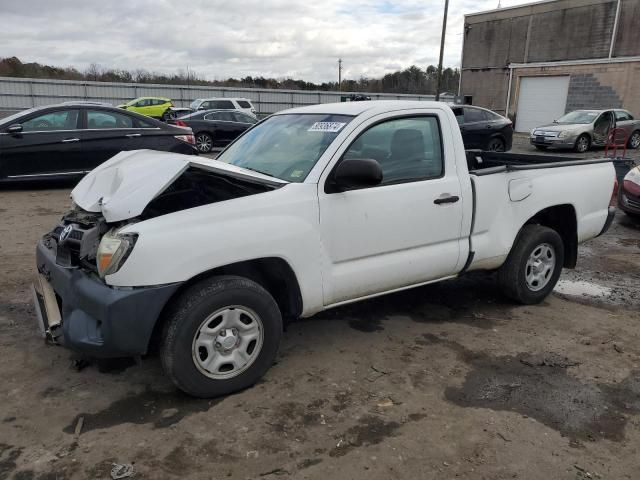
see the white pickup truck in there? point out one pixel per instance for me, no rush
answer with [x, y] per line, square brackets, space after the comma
[311, 208]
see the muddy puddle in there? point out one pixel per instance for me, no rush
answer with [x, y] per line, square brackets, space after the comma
[540, 386]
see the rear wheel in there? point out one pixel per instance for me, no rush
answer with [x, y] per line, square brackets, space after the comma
[204, 142]
[221, 336]
[634, 140]
[496, 145]
[582, 143]
[533, 266]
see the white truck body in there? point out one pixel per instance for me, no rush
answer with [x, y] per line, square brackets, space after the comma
[311, 208]
[343, 246]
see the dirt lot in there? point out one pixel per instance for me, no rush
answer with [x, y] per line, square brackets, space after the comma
[441, 382]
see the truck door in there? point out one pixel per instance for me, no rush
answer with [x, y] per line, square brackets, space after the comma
[402, 232]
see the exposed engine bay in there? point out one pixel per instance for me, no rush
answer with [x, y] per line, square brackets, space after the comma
[77, 238]
[197, 187]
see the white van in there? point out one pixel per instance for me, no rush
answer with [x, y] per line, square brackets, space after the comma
[242, 104]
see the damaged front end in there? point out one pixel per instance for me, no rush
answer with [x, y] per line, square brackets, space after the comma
[75, 305]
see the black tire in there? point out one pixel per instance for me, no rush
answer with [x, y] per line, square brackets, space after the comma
[496, 144]
[204, 142]
[583, 143]
[634, 140]
[185, 318]
[541, 147]
[512, 276]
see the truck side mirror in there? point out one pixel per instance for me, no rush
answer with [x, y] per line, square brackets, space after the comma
[354, 173]
[15, 128]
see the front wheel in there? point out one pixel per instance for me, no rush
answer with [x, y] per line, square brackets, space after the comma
[634, 140]
[582, 144]
[221, 336]
[533, 266]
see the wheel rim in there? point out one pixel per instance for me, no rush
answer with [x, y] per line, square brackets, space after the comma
[583, 144]
[227, 342]
[496, 145]
[540, 266]
[204, 143]
[635, 140]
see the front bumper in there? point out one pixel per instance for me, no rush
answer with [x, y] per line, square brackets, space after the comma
[567, 142]
[628, 202]
[93, 318]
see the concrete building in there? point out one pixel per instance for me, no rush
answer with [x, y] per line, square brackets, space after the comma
[535, 62]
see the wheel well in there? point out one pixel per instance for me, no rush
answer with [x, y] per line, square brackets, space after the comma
[562, 219]
[272, 273]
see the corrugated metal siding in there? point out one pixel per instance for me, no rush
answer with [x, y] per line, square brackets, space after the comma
[20, 93]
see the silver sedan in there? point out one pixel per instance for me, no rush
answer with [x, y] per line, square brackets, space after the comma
[582, 129]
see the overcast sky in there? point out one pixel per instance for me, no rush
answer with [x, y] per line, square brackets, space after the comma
[221, 39]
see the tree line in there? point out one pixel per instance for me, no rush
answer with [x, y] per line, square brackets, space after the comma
[410, 80]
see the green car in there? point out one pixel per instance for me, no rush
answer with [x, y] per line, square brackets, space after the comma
[156, 107]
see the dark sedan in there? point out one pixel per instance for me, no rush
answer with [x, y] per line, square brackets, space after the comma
[71, 139]
[215, 128]
[484, 129]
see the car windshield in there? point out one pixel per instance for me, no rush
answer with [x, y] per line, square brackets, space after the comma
[579, 116]
[285, 146]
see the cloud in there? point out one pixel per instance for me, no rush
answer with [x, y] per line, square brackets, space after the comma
[220, 39]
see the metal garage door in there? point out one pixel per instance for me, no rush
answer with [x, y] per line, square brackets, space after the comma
[541, 100]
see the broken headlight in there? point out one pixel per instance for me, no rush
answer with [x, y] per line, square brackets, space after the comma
[113, 250]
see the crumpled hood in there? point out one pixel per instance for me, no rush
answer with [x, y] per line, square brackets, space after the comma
[123, 186]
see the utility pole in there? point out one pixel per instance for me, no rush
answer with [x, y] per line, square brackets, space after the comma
[444, 30]
[340, 74]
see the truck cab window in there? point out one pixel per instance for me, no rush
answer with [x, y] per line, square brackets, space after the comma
[407, 149]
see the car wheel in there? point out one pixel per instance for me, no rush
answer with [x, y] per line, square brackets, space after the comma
[204, 142]
[533, 266]
[582, 143]
[496, 145]
[541, 147]
[221, 336]
[634, 140]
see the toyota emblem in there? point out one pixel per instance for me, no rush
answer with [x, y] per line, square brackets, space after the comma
[64, 234]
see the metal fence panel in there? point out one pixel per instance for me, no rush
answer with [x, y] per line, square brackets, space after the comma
[20, 93]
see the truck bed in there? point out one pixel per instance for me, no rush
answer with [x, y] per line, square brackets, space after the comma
[487, 163]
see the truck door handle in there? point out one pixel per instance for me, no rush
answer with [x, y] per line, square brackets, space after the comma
[70, 140]
[448, 199]
[133, 135]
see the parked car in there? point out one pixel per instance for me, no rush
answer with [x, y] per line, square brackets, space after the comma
[312, 208]
[68, 140]
[241, 104]
[629, 198]
[582, 129]
[215, 128]
[154, 107]
[483, 129]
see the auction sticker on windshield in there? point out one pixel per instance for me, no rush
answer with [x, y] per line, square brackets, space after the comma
[331, 127]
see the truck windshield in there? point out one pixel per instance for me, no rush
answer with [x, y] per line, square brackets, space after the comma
[286, 146]
[579, 116]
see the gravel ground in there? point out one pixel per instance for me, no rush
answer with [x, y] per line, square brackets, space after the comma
[440, 382]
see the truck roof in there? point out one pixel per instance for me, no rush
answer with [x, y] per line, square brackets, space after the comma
[356, 108]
